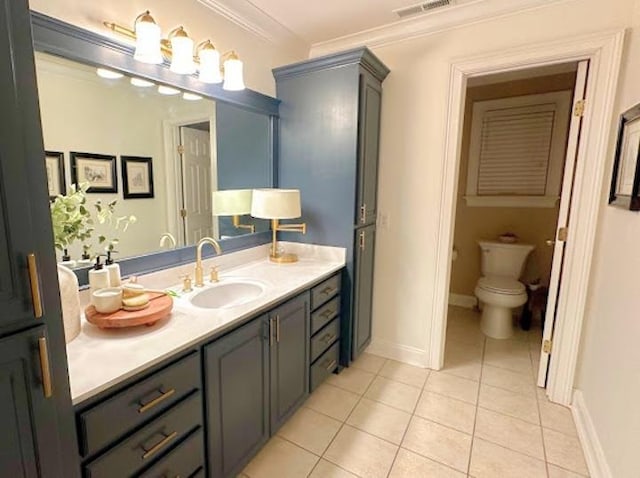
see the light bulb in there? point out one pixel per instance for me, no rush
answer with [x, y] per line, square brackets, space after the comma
[209, 64]
[147, 40]
[141, 83]
[108, 74]
[233, 76]
[181, 53]
[167, 90]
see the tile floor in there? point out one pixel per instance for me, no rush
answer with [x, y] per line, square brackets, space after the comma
[481, 416]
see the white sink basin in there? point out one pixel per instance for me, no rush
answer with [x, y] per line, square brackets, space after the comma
[227, 294]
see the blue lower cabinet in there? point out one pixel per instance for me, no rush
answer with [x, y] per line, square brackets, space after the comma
[185, 460]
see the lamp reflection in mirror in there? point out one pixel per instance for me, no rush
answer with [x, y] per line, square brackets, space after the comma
[147, 39]
[181, 52]
[233, 74]
[235, 203]
[209, 63]
[277, 204]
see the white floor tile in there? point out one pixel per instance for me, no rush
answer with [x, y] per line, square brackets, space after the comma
[509, 403]
[452, 386]
[326, 469]
[438, 442]
[557, 472]
[564, 451]
[332, 401]
[395, 394]
[513, 381]
[557, 417]
[361, 453]
[492, 461]
[404, 373]
[369, 363]
[447, 411]
[282, 459]
[412, 465]
[509, 432]
[380, 420]
[353, 379]
[310, 430]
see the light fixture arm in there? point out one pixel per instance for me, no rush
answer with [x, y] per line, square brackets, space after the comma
[238, 225]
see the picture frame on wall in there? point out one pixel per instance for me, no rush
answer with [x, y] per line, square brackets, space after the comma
[137, 177]
[625, 180]
[56, 183]
[99, 170]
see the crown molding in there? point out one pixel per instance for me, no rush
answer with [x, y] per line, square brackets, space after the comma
[250, 18]
[430, 23]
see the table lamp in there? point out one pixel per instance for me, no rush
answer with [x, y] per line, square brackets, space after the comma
[276, 204]
[235, 203]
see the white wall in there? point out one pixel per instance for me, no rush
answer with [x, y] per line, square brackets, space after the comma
[609, 373]
[201, 23]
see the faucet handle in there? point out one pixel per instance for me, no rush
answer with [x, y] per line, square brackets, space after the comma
[186, 283]
[214, 274]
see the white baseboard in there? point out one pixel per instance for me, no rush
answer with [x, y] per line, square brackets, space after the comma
[591, 446]
[399, 352]
[460, 300]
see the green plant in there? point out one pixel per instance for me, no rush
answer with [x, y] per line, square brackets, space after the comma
[70, 218]
[106, 214]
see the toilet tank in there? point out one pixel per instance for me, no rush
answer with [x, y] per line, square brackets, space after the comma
[498, 258]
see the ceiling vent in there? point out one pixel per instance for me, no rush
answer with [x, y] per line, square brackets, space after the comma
[421, 8]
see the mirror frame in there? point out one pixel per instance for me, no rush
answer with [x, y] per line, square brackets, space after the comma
[68, 41]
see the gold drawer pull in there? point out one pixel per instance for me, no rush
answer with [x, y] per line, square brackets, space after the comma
[329, 291]
[157, 447]
[328, 338]
[34, 280]
[331, 366]
[45, 367]
[327, 313]
[156, 401]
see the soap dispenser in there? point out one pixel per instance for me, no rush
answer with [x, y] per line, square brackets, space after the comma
[115, 279]
[98, 277]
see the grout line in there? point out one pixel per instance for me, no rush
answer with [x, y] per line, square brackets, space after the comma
[475, 418]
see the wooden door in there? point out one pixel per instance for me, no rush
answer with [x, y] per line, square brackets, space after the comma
[196, 184]
[563, 221]
[363, 289]
[289, 358]
[368, 149]
[237, 397]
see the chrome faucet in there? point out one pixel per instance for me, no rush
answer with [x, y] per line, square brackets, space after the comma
[199, 272]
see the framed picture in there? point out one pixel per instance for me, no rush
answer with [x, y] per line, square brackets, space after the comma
[54, 162]
[625, 181]
[99, 170]
[137, 177]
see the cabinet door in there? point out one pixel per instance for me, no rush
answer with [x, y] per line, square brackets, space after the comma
[363, 288]
[368, 141]
[237, 397]
[29, 444]
[289, 358]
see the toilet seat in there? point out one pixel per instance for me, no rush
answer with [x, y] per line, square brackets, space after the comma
[501, 285]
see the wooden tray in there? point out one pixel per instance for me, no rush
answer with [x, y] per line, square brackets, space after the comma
[160, 306]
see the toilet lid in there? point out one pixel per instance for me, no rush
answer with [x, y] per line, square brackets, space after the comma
[501, 284]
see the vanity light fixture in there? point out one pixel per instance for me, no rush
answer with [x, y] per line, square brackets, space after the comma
[234, 203]
[167, 90]
[276, 204]
[108, 74]
[139, 82]
[191, 96]
[178, 48]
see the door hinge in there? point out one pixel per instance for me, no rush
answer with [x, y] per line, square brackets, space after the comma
[546, 346]
[180, 149]
[563, 233]
[578, 109]
[183, 213]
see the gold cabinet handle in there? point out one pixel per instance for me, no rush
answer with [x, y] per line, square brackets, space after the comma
[331, 366]
[36, 297]
[271, 332]
[363, 213]
[326, 314]
[156, 401]
[277, 328]
[362, 241]
[328, 338]
[329, 291]
[157, 447]
[45, 367]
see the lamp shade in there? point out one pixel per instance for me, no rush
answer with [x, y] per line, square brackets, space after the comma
[276, 203]
[209, 64]
[233, 75]
[232, 202]
[147, 40]
[181, 53]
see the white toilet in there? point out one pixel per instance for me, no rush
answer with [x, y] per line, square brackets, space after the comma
[499, 289]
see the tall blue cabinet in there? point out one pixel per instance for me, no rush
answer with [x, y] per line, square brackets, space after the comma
[329, 137]
[37, 437]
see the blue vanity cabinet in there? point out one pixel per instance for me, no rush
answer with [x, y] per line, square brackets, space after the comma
[37, 435]
[363, 293]
[329, 136]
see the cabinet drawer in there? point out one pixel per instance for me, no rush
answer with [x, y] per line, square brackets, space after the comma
[185, 460]
[150, 442]
[104, 423]
[325, 314]
[324, 338]
[324, 291]
[324, 366]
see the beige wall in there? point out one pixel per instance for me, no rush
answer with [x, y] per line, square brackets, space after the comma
[531, 225]
[259, 56]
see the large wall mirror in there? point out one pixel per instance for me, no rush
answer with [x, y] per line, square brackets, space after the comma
[162, 154]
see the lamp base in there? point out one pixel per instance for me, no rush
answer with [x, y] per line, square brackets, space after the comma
[283, 258]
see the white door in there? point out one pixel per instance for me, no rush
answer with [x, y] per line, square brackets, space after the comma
[563, 221]
[196, 184]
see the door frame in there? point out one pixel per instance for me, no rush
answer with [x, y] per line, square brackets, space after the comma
[173, 168]
[604, 51]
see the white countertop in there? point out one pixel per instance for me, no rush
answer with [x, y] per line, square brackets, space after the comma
[99, 359]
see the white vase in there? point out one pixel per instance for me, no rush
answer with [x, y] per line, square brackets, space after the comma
[70, 298]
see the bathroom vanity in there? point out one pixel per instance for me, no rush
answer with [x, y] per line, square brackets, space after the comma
[207, 387]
